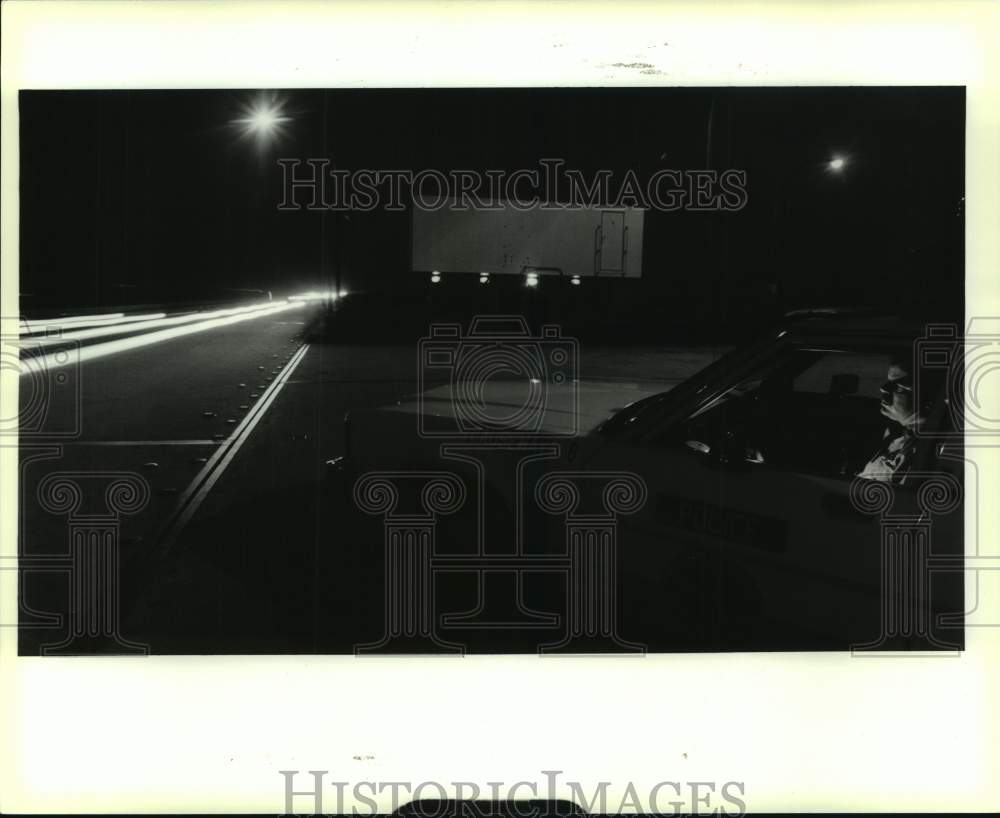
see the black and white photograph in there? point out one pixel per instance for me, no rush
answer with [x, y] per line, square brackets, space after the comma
[616, 370]
[641, 371]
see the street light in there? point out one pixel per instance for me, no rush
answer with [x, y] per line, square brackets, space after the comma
[263, 119]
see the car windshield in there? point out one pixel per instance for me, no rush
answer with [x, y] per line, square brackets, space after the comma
[650, 408]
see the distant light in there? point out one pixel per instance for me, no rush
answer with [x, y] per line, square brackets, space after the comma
[263, 119]
[314, 295]
[532, 280]
[435, 277]
[484, 278]
[342, 293]
[837, 164]
[575, 280]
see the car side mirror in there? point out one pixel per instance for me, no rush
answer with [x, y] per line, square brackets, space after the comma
[730, 453]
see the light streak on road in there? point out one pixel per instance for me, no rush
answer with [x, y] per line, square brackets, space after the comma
[57, 360]
[78, 319]
[316, 295]
[141, 326]
[34, 326]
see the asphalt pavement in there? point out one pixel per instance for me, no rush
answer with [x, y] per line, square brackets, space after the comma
[155, 414]
[247, 542]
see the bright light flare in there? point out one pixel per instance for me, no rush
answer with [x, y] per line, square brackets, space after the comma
[836, 164]
[263, 119]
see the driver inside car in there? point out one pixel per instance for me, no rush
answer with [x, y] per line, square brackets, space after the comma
[894, 458]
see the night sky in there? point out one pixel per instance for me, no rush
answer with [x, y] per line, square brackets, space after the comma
[141, 197]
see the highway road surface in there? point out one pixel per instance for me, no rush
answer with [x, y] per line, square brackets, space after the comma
[228, 419]
[245, 541]
[166, 398]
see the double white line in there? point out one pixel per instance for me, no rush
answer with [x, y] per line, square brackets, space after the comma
[194, 495]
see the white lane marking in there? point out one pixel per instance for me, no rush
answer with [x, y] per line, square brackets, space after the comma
[55, 360]
[142, 443]
[195, 494]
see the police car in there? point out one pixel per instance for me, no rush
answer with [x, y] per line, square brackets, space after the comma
[753, 531]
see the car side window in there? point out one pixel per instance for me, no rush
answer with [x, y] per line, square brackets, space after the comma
[814, 411]
[843, 372]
